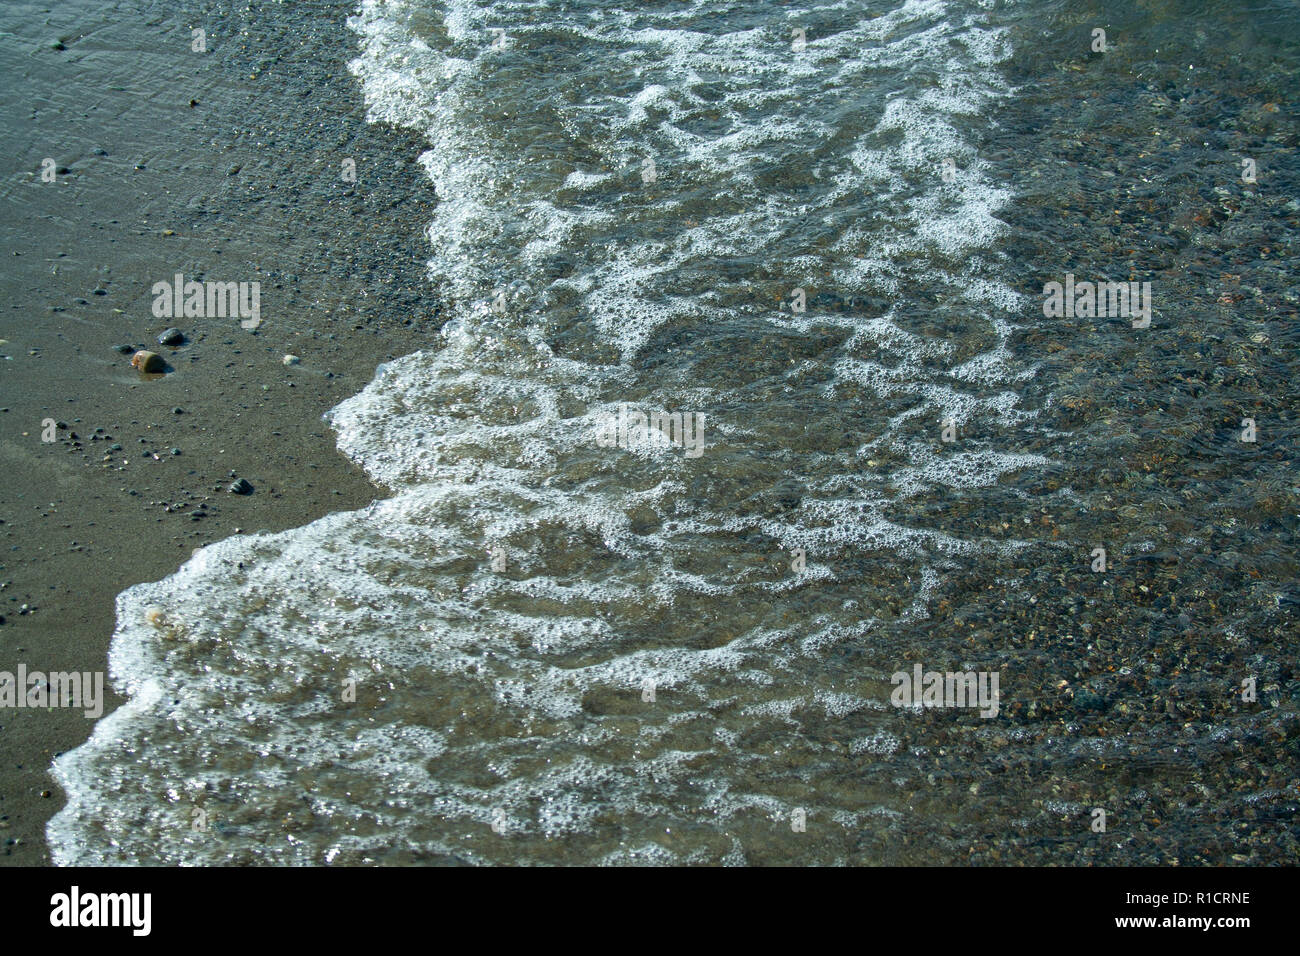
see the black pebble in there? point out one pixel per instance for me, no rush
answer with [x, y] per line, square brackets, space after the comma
[171, 337]
[240, 487]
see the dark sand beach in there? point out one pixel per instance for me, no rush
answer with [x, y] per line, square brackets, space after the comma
[243, 185]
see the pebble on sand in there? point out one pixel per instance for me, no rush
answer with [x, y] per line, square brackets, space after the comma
[171, 337]
[147, 361]
[291, 360]
[240, 487]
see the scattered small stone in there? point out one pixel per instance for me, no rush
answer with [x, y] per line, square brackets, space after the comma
[291, 360]
[178, 410]
[125, 349]
[240, 487]
[101, 292]
[171, 337]
[147, 361]
[176, 451]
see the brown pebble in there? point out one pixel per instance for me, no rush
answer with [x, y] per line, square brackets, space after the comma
[147, 361]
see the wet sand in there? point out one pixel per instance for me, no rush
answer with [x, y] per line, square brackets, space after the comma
[244, 184]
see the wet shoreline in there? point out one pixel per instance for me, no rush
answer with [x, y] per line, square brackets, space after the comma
[1122, 687]
[244, 185]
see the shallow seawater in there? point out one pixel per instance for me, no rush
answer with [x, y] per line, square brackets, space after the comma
[817, 233]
